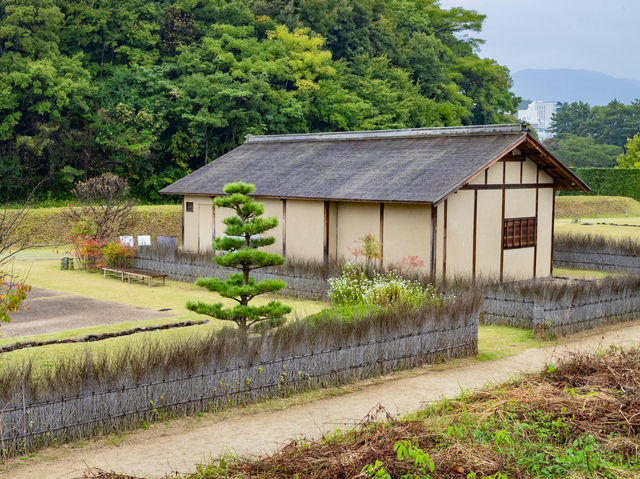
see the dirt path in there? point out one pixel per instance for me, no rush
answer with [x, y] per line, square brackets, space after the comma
[180, 444]
[47, 311]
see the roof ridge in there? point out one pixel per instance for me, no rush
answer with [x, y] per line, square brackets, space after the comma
[399, 133]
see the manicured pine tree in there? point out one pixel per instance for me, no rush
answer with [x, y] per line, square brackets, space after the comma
[240, 244]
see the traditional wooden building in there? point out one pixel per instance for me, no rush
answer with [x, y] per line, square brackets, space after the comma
[470, 201]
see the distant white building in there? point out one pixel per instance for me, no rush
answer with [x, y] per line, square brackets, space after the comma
[538, 114]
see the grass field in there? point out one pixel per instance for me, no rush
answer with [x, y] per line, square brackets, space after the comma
[48, 226]
[614, 227]
[42, 269]
[582, 215]
[41, 265]
[596, 207]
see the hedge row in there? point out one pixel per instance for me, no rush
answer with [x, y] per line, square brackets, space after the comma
[609, 181]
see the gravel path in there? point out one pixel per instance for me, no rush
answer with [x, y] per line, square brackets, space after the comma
[47, 311]
[180, 444]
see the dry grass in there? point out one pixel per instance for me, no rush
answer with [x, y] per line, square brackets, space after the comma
[579, 418]
[589, 242]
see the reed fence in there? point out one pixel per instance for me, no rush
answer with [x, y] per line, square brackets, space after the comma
[224, 370]
[596, 252]
[559, 307]
[184, 267]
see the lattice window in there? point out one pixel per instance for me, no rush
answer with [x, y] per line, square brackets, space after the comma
[189, 206]
[519, 233]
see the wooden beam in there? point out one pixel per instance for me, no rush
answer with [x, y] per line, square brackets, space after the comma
[511, 186]
[553, 217]
[434, 241]
[326, 232]
[381, 234]
[284, 228]
[183, 213]
[535, 246]
[504, 178]
[444, 242]
[213, 227]
[475, 231]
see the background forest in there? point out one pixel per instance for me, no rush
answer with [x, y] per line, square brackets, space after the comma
[151, 90]
[586, 136]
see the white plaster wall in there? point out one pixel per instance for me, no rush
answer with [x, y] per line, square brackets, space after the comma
[520, 203]
[545, 231]
[512, 172]
[305, 229]
[460, 234]
[356, 220]
[489, 233]
[407, 232]
[198, 225]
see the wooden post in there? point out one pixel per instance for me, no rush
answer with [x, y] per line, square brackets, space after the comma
[381, 234]
[326, 232]
[475, 230]
[444, 243]
[434, 234]
[535, 238]
[504, 179]
[284, 227]
[553, 218]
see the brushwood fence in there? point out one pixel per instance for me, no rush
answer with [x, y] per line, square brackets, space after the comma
[94, 396]
[185, 267]
[558, 307]
[596, 259]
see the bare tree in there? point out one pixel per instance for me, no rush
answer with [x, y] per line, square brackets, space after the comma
[104, 206]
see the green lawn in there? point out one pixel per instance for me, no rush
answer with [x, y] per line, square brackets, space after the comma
[583, 273]
[41, 265]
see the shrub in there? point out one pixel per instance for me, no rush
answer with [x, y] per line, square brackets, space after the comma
[88, 251]
[355, 286]
[117, 255]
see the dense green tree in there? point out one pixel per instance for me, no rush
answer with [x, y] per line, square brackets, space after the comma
[244, 234]
[152, 90]
[583, 151]
[39, 86]
[631, 156]
[610, 124]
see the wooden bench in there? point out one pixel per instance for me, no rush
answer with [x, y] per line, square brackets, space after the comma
[134, 274]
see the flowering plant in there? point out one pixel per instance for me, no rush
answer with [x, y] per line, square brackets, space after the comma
[354, 286]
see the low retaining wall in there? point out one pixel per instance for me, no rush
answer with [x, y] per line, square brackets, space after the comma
[185, 269]
[561, 314]
[229, 374]
[601, 260]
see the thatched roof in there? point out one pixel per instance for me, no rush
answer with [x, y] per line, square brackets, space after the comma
[421, 165]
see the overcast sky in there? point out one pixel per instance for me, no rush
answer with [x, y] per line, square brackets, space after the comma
[578, 34]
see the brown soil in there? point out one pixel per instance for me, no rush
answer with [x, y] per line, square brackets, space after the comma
[178, 445]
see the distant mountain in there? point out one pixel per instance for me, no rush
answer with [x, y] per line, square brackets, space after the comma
[574, 85]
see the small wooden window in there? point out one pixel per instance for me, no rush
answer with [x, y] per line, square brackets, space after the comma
[189, 206]
[519, 233]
